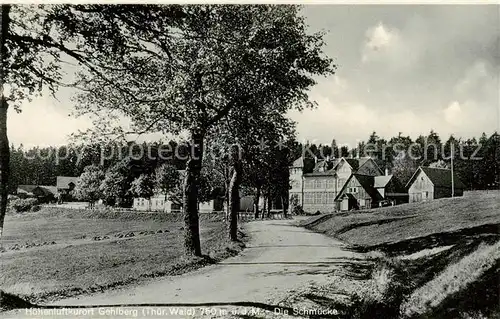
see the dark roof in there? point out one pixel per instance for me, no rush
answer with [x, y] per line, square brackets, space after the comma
[64, 181]
[441, 177]
[47, 190]
[368, 184]
[324, 165]
[50, 189]
[355, 163]
[26, 188]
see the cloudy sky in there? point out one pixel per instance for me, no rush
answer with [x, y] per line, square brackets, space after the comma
[401, 68]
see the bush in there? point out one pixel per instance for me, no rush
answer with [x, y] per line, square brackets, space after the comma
[24, 205]
[35, 208]
[296, 207]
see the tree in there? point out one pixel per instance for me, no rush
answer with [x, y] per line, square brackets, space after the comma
[35, 39]
[87, 187]
[116, 185]
[344, 151]
[403, 167]
[189, 76]
[335, 153]
[168, 178]
[143, 186]
[439, 164]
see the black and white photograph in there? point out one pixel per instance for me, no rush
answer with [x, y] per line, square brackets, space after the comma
[250, 160]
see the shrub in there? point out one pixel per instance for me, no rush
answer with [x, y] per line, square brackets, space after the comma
[35, 208]
[296, 207]
[23, 205]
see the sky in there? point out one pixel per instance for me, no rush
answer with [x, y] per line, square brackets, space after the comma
[400, 68]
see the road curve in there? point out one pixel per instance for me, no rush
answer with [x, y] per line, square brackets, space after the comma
[279, 257]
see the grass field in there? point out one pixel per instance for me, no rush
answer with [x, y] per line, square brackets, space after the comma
[438, 259]
[373, 228]
[56, 253]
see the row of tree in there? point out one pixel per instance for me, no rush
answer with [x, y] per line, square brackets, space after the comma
[117, 187]
[212, 72]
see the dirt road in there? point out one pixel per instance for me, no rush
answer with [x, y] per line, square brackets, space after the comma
[279, 259]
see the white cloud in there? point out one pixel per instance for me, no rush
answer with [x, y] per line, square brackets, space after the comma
[453, 114]
[378, 41]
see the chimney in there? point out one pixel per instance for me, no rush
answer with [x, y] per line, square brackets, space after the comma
[386, 171]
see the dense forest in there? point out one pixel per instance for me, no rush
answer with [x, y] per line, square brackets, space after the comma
[476, 161]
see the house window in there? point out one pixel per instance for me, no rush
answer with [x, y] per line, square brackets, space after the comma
[317, 184]
[329, 184]
[317, 198]
[329, 198]
[354, 190]
[308, 184]
[308, 198]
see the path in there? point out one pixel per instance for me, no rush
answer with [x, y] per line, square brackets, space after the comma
[279, 258]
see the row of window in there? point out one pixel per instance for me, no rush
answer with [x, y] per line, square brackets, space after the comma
[323, 184]
[319, 198]
[352, 190]
[155, 202]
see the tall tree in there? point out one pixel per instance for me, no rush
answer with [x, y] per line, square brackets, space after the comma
[190, 76]
[35, 39]
[143, 186]
[87, 187]
[4, 141]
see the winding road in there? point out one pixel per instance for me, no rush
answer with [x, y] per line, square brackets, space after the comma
[280, 258]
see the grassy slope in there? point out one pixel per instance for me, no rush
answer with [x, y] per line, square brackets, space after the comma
[393, 224]
[78, 265]
[447, 284]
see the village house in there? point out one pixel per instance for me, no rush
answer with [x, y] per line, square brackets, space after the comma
[65, 185]
[43, 193]
[432, 183]
[317, 190]
[365, 191]
[161, 202]
[157, 203]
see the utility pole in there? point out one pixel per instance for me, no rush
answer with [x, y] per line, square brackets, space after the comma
[452, 180]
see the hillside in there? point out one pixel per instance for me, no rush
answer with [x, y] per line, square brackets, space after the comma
[372, 229]
[438, 259]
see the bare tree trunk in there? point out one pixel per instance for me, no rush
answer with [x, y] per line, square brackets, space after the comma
[4, 141]
[269, 204]
[263, 213]
[284, 204]
[190, 205]
[256, 201]
[234, 196]
[227, 181]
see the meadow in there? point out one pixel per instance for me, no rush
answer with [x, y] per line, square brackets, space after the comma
[57, 253]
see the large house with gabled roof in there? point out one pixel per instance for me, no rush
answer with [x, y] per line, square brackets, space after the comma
[317, 190]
